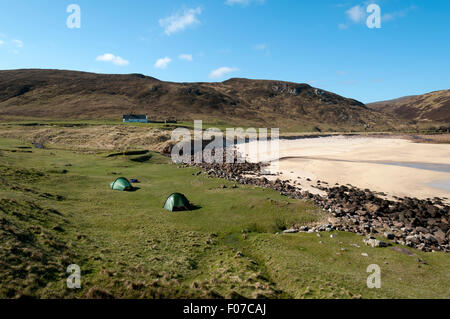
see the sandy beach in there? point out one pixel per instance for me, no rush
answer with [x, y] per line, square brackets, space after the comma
[397, 167]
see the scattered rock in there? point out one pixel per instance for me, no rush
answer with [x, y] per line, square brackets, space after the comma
[373, 242]
[389, 235]
[290, 231]
[422, 224]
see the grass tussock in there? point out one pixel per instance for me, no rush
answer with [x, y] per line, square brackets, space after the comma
[33, 251]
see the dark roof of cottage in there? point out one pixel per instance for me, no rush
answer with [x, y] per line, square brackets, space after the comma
[134, 116]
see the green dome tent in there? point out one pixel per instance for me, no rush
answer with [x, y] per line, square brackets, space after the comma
[121, 184]
[177, 202]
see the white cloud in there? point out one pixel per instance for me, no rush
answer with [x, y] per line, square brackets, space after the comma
[185, 57]
[179, 22]
[350, 82]
[260, 47]
[17, 43]
[388, 17]
[232, 2]
[220, 72]
[242, 2]
[162, 63]
[340, 5]
[397, 14]
[116, 60]
[356, 14]
[1, 42]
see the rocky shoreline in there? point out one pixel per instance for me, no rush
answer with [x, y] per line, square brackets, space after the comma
[423, 224]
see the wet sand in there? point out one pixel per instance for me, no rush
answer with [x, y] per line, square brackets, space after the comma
[397, 167]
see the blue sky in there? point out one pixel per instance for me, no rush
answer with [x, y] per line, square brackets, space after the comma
[324, 43]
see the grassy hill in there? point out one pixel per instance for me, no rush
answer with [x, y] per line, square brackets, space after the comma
[56, 94]
[57, 209]
[434, 107]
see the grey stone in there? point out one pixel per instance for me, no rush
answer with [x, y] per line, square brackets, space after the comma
[375, 242]
[389, 235]
[412, 239]
[290, 231]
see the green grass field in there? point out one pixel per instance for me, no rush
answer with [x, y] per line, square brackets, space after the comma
[56, 209]
[289, 130]
[190, 125]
